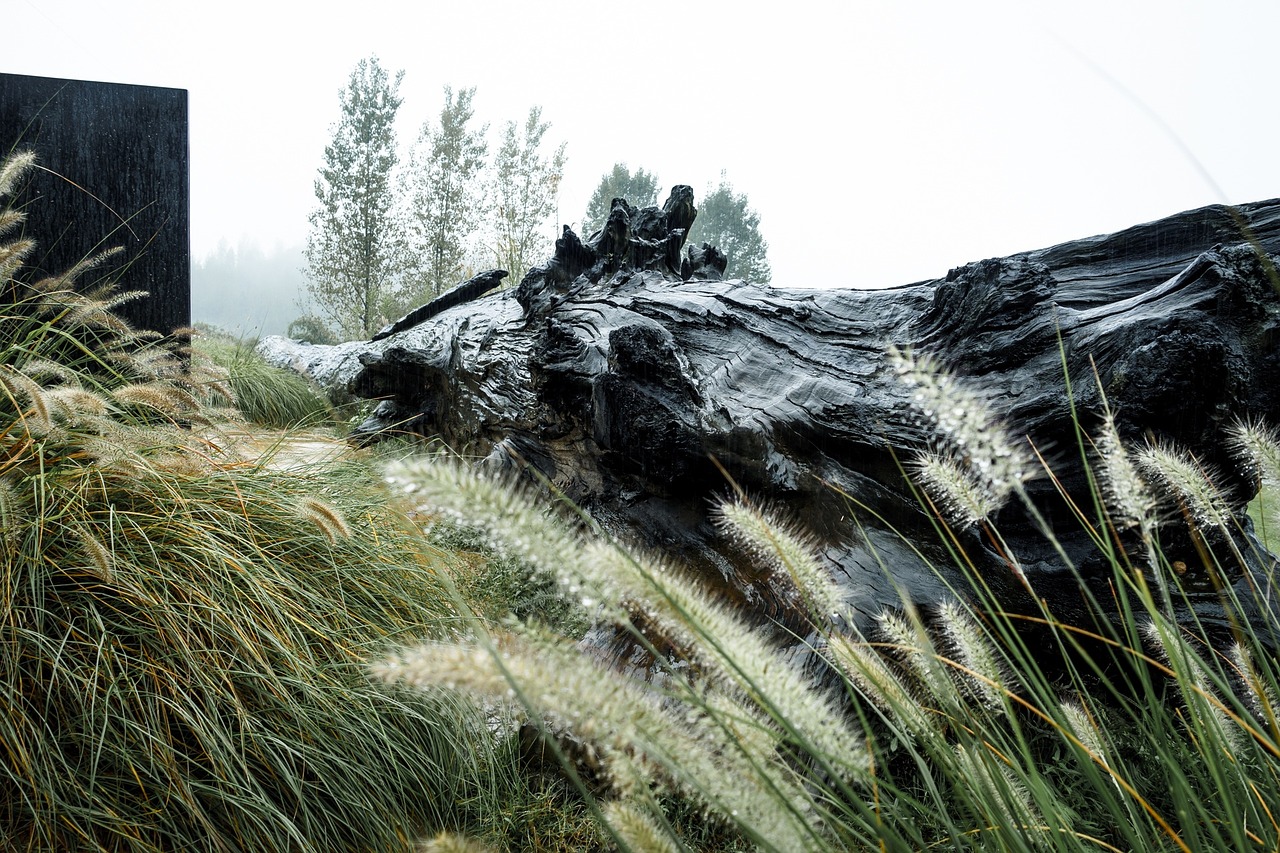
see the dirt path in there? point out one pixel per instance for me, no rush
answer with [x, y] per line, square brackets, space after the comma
[281, 451]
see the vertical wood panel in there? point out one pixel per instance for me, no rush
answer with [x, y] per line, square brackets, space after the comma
[117, 176]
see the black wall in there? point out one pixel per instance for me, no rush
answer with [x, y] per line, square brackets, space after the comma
[114, 173]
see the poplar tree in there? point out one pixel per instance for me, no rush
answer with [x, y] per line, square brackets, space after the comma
[526, 187]
[639, 188]
[726, 221]
[355, 249]
[446, 198]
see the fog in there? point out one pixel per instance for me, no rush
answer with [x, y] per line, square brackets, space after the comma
[246, 290]
[881, 143]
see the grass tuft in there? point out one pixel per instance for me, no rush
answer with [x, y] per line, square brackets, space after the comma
[265, 395]
[181, 658]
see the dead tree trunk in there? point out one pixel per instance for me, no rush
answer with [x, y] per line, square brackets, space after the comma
[629, 376]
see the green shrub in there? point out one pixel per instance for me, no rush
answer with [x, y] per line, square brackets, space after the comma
[311, 330]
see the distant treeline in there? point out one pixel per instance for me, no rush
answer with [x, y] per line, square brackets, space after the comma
[246, 290]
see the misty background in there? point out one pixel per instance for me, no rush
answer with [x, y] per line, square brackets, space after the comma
[247, 290]
[881, 143]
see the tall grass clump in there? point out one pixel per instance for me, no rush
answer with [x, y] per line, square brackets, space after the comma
[181, 631]
[266, 395]
[957, 726]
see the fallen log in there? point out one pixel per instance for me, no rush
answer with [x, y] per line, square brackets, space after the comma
[636, 379]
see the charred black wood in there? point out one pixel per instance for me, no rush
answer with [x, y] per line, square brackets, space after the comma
[634, 385]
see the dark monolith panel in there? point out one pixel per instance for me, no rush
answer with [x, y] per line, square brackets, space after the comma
[113, 172]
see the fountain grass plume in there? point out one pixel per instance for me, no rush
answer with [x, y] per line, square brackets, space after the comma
[871, 677]
[515, 521]
[976, 465]
[1081, 724]
[909, 641]
[981, 669]
[1128, 497]
[985, 781]
[789, 550]
[449, 842]
[731, 653]
[1208, 715]
[327, 518]
[1256, 447]
[638, 740]
[1258, 692]
[1188, 484]
[12, 170]
[635, 827]
[962, 497]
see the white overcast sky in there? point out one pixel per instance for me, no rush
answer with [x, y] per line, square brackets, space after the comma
[881, 142]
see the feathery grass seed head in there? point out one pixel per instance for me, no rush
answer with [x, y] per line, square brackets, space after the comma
[881, 685]
[12, 168]
[973, 438]
[630, 731]
[1257, 447]
[1198, 692]
[448, 842]
[963, 498]
[100, 556]
[70, 403]
[755, 733]
[164, 398]
[736, 656]
[994, 788]
[1125, 492]
[1256, 690]
[636, 828]
[48, 372]
[13, 253]
[518, 523]
[1082, 726]
[14, 510]
[19, 388]
[1185, 479]
[787, 549]
[324, 516]
[974, 650]
[8, 219]
[912, 643]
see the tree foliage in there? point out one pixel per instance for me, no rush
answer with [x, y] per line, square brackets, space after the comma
[727, 222]
[446, 197]
[640, 189]
[526, 186]
[355, 250]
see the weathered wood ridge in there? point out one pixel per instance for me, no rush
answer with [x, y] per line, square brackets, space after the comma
[628, 375]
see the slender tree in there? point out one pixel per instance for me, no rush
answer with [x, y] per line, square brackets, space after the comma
[526, 186]
[727, 222]
[640, 189]
[355, 250]
[446, 198]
